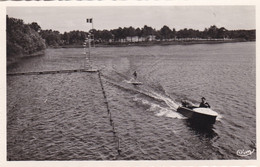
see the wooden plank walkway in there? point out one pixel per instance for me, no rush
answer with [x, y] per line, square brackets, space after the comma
[52, 72]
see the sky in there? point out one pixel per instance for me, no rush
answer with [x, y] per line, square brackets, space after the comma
[111, 17]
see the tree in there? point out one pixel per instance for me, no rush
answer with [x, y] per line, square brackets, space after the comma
[173, 34]
[52, 38]
[221, 33]
[106, 35]
[35, 26]
[66, 38]
[213, 31]
[120, 33]
[182, 33]
[147, 31]
[165, 32]
[124, 33]
[131, 32]
[138, 32]
[21, 38]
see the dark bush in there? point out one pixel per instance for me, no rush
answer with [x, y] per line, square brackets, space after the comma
[22, 39]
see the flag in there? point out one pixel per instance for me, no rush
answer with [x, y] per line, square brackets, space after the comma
[89, 20]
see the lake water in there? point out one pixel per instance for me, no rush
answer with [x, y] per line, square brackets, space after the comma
[67, 118]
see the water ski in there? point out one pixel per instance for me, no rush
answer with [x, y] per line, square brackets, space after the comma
[134, 82]
[90, 70]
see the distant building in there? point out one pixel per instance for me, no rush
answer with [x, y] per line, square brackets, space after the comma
[132, 39]
[140, 39]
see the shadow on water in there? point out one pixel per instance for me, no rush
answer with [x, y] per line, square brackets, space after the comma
[16, 61]
[203, 130]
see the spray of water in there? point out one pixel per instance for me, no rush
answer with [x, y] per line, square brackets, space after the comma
[168, 110]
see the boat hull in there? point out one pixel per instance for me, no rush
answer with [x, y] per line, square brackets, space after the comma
[196, 116]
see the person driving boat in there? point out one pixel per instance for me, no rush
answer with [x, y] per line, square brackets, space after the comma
[203, 103]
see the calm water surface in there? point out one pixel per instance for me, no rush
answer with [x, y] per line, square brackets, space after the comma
[145, 116]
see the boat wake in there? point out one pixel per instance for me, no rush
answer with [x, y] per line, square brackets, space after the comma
[158, 109]
[161, 104]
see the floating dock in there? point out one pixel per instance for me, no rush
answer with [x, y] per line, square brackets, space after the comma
[53, 72]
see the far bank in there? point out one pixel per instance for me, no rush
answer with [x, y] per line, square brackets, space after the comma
[152, 43]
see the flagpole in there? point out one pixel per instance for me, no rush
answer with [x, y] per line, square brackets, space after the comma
[92, 31]
[89, 45]
[92, 23]
[90, 69]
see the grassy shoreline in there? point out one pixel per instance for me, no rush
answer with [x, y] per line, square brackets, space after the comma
[154, 43]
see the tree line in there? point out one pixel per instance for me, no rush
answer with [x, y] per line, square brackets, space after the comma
[54, 38]
[23, 39]
[29, 38]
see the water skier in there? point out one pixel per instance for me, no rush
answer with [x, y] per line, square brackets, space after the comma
[135, 75]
